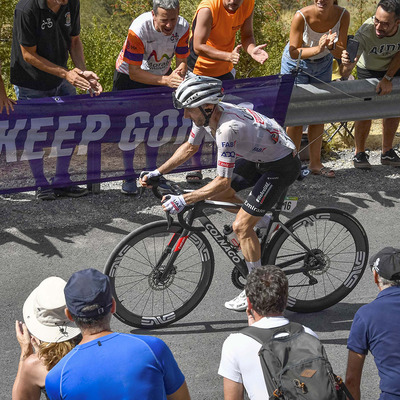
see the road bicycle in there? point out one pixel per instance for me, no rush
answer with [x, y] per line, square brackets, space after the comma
[161, 271]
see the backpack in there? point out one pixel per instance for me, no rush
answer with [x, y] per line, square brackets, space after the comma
[295, 365]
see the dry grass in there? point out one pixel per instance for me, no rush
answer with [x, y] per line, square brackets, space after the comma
[374, 141]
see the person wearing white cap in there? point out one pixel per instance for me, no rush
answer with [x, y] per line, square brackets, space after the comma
[45, 336]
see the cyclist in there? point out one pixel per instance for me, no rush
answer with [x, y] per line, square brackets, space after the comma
[253, 151]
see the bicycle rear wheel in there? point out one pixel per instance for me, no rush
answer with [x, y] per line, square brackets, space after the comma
[339, 254]
[147, 297]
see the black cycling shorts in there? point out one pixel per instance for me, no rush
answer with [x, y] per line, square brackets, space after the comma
[269, 180]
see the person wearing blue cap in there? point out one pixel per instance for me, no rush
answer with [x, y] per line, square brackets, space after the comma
[110, 365]
[376, 328]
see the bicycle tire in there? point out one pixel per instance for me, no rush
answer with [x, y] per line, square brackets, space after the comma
[142, 300]
[338, 239]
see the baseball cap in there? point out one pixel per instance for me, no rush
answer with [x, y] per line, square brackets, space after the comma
[387, 263]
[44, 314]
[88, 287]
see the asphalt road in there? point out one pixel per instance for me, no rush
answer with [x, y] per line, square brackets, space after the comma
[41, 239]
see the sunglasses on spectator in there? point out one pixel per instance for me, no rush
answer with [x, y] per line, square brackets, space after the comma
[382, 24]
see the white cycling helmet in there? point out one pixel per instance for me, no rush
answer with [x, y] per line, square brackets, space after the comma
[197, 90]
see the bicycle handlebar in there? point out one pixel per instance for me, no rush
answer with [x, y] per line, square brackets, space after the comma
[161, 187]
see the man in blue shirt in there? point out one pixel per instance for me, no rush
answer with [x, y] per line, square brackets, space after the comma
[376, 327]
[108, 365]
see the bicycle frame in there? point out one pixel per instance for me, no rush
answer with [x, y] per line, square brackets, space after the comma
[196, 213]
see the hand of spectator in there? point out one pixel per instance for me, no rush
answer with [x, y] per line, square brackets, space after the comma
[76, 78]
[234, 56]
[93, 79]
[24, 340]
[6, 103]
[383, 87]
[174, 80]
[323, 42]
[331, 38]
[181, 70]
[250, 318]
[259, 54]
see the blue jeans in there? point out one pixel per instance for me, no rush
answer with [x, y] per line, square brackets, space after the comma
[63, 89]
[62, 165]
[320, 69]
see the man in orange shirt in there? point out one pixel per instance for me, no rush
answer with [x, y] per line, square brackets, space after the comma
[212, 43]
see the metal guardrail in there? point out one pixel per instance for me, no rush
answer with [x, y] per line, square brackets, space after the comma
[341, 101]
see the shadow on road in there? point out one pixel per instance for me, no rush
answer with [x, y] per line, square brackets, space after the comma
[31, 223]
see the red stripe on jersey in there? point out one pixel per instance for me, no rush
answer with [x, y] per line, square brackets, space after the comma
[226, 165]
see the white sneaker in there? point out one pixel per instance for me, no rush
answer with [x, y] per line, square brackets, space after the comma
[239, 303]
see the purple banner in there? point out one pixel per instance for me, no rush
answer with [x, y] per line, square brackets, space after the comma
[56, 141]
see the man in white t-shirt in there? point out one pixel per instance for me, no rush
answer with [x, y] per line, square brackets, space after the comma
[267, 294]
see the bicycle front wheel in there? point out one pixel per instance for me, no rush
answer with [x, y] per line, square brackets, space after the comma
[149, 289]
[326, 274]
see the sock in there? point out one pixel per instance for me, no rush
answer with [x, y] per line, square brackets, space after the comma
[253, 264]
[263, 222]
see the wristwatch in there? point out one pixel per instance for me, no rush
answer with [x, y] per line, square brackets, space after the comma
[388, 78]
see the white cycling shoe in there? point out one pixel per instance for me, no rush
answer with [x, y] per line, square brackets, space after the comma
[239, 303]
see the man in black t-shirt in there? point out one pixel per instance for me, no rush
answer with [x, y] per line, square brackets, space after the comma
[45, 33]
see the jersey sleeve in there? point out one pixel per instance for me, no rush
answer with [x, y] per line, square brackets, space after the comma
[173, 377]
[182, 49]
[134, 49]
[228, 367]
[26, 28]
[226, 142]
[197, 134]
[358, 337]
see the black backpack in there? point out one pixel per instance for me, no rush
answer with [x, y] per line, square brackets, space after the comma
[295, 365]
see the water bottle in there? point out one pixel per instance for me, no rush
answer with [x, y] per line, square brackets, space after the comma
[230, 236]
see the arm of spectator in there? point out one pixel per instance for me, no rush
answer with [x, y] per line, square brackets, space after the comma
[248, 42]
[342, 37]
[25, 384]
[384, 86]
[296, 40]
[181, 394]
[233, 390]
[346, 65]
[139, 75]
[5, 102]
[78, 58]
[201, 34]
[73, 76]
[355, 364]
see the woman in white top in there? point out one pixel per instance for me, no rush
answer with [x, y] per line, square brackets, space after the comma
[318, 34]
[46, 336]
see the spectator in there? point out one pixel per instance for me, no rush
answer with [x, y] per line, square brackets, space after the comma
[109, 365]
[145, 61]
[317, 34]
[5, 102]
[267, 294]
[44, 34]
[378, 57]
[376, 328]
[212, 44]
[46, 336]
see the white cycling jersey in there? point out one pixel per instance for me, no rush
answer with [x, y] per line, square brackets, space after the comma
[244, 133]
